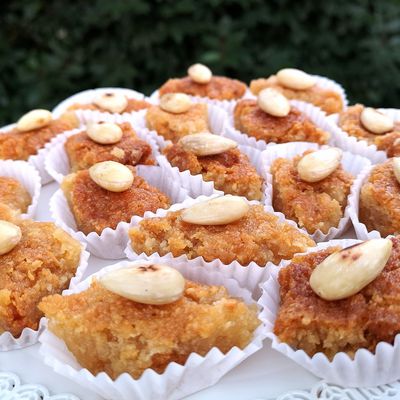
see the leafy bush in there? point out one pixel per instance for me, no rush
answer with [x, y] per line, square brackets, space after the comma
[51, 50]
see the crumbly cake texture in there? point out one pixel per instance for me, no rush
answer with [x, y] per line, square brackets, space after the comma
[295, 127]
[319, 205]
[219, 88]
[231, 171]
[17, 145]
[95, 208]
[42, 263]
[258, 237]
[83, 152]
[380, 200]
[350, 122]
[328, 100]
[113, 334]
[174, 126]
[132, 106]
[307, 322]
[14, 195]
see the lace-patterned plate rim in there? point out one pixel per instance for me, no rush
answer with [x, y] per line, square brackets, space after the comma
[11, 388]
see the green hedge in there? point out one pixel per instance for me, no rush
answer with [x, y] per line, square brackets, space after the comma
[52, 49]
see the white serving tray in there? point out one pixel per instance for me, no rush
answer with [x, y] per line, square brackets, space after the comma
[265, 375]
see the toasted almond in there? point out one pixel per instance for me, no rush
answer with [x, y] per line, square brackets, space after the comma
[220, 211]
[199, 73]
[111, 101]
[396, 168]
[112, 176]
[376, 122]
[104, 133]
[10, 236]
[315, 166]
[34, 119]
[206, 144]
[295, 79]
[346, 272]
[175, 103]
[155, 284]
[273, 102]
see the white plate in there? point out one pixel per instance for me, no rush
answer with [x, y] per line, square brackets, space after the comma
[265, 375]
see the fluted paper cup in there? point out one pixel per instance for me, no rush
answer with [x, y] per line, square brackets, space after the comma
[177, 381]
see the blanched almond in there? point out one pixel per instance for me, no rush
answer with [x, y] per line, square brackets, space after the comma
[104, 133]
[273, 102]
[346, 272]
[111, 101]
[148, 284]
[220, 211]
[175, 103]
[112, 176]
[396, 168]
[376, 122]
[294, 78]
[315, 166]
[10, 236]
[199, 73]
[34, 119]
[206, 144]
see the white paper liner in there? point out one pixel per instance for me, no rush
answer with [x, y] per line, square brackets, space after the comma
[29, 336]
[178, 380]
[88, 96]
[57, 161]
[207, 188]
[366, 369]
[250, 275]
[29, 179]
[356, 165]
[110, 244]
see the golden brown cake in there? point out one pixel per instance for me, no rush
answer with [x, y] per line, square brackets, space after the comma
[219, 88]
[174, 126]
[318, 205]
[249, 118]
[83, 152]
[14, 195]
[380, 200]
[349, 121]
[308, 322]
[231, 171]
[133, 105]
[17, 145]
[258, 237]
[42, 263]
[95, 208]
[102, 336]
[328, 100]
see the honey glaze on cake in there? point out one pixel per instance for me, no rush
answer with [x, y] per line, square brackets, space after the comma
[113, 334]
[258, 237]
[249, 118]
[14, 195]
[306, 321]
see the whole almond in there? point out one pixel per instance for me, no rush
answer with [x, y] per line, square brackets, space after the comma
[346, 272]
[34, 119]
[112, 176]
[315, 166]
[295, 79]
[376, 122]
[175, 103]
[273, 102]
[104, 133]
[111, 101]
[10, 236]
[155, 284]
[220, 211]
[396, 168]
[206, 144]
[199, 73]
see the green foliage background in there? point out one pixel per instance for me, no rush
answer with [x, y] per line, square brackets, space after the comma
[52, 49]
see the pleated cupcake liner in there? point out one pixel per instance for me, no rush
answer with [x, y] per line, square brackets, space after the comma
[177, 381]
